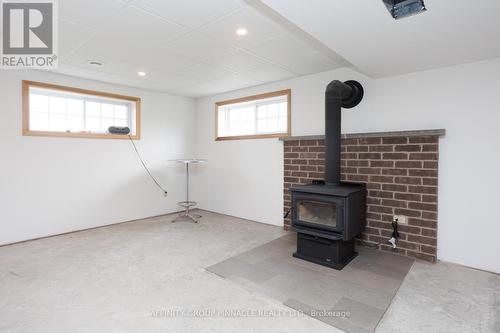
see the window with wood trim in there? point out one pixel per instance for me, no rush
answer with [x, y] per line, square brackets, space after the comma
[52, 110]
[253, 117]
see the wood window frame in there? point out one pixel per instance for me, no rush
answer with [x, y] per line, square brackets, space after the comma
[286, 92]
[26, 85]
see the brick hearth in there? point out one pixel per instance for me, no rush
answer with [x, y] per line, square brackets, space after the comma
[400, 170]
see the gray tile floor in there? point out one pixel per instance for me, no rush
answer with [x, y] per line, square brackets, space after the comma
[353, 299]
[111, 279]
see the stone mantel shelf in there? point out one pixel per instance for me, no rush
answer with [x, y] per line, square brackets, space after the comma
[430, 132]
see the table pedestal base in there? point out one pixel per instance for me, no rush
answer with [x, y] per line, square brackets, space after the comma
[186, 214]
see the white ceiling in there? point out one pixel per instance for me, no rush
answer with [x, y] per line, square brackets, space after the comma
[186, 47]
[451, 32]
[190, 48]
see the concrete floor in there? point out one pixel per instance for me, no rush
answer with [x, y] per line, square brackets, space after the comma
[129, 278]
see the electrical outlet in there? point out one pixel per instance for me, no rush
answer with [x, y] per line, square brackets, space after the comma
[401, 219]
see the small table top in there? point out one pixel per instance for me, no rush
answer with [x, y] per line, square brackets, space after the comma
[189, 160]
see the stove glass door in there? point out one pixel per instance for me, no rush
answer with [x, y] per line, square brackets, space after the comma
[317, 212]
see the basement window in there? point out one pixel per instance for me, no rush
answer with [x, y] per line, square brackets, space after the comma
[50, 110]
[253, 117]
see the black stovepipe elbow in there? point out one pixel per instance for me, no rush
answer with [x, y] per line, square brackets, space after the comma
[350, 92]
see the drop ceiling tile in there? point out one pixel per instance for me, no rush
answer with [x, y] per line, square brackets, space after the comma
[98, 49]
[90, 13]
[280, 48]
[71, 37]
[213, 87]
[109, 66]
[87, 73]
[259, 28]
[233, 82]
[198, 46]
[169, 85]
[268, 73]
[161, 59]
[197, 90]
[238, 61]
[162, 78]
[309, 63]
[168, 81]
[191, 13]
[204, 72]
[252, 67]
[137, 27]
[136, 43]
[129, 70]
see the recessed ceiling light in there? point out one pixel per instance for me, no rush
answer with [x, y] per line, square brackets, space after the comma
[141, 73]
[241, 32]
[95, 63]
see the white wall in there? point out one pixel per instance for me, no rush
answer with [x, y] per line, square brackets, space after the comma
[244, 178]
[55, 185]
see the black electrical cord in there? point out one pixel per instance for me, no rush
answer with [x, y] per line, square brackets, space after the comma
[395, 235]
[395, 232]
[145, 167]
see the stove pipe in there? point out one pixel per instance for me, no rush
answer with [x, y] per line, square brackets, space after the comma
[337, 95]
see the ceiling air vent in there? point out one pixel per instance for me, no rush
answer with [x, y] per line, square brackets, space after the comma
[404, 8]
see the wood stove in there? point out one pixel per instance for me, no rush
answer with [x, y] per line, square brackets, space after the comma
[328, 215]
[327, 218]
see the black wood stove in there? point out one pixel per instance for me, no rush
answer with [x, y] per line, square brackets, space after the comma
[327, 215]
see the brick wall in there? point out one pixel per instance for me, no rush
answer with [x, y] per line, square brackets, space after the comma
[401, 177]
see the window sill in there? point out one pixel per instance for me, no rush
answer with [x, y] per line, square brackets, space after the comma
[249, 137]
[80, 135]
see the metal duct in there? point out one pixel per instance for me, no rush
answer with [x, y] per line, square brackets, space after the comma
[404, 8]
[337, 95]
